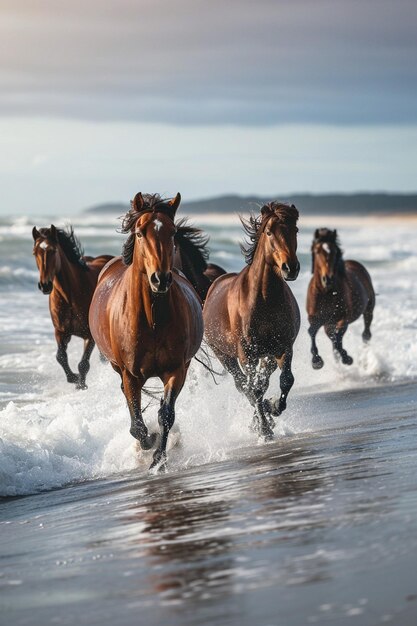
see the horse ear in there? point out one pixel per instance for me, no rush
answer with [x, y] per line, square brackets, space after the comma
[316, 234]
[54, 234]
[35, 233]
[138, 202]
[335, 234]
[266, 210]
[175, 202]
[312, 262]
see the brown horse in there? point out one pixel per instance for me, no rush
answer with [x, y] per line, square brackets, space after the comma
[69, 278]
[145, 317]
[191, 256]
[338, 294]
[252, 318]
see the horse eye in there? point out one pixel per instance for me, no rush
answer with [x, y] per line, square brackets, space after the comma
[138, 234]
[268, 232]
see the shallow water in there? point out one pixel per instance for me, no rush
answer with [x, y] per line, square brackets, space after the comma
[313, 528]
[317, 527]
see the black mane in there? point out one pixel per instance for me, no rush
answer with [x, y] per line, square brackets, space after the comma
[254, 226]
[69, 243]
[151, 203]
[193, 243]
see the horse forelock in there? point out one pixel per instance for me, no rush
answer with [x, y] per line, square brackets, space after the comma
[285, 213]
[254, 226]
[152, 203]
[327, 236]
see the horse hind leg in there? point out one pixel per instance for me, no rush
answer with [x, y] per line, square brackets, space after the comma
[173, 383]
[62, 356]
[367, 317]
[84, 364]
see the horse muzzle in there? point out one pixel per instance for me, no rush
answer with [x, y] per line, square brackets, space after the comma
[46, 288]
[160, 282]
[288, 272]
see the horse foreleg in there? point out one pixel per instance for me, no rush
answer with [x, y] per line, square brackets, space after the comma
[336, 334]
[84, 364]
[132, 387]
[317, 361]
[173, 383]
[367, 317]
[286, 381]
[258, 382]
[62, 341]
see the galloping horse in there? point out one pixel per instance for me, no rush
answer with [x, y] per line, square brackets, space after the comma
[69, 278]
[252, 318]
[145, 317]
[338, 294]
[191, 256]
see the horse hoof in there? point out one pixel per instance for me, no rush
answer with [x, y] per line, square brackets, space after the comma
[146, 443]
[317, 363]
[159, 464]
[271, 407]
[347, 360]
[81, 386]
[73, 378]
[266, 436]
[366, 337]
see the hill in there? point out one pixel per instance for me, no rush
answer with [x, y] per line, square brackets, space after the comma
[342, 204]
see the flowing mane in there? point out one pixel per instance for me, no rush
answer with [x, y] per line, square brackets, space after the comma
[70, 245]
[254, 226]
[325, 235]
[193, 243]
[151, 203]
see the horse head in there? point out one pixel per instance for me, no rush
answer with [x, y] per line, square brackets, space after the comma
[47, 257]
[279, 231]
[150, 222]
[327, 259]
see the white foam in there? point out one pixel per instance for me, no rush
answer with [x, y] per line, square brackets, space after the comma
[52, 435]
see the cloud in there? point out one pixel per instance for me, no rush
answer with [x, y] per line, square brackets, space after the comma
[198, 62]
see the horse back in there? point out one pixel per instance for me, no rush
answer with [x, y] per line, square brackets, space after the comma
[357, 271]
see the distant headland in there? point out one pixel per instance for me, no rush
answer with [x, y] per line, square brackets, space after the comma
[320, 204]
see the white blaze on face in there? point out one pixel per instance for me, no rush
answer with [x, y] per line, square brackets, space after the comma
[43, 245]
[326, 248]
[158, 225]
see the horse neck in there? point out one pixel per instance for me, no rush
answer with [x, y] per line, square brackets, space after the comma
[68, 279]
[263, 279]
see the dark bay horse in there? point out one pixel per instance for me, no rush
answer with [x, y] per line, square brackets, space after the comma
[338, 294]
[145, 317]
[69, 278]
[191, 257]
[252, 318]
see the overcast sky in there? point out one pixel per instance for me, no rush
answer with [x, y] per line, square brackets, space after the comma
[102, 98]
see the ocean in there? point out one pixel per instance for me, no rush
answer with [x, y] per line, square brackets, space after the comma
[318, 526]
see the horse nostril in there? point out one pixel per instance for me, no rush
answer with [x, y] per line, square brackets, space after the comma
[285, 267]
[155, 279]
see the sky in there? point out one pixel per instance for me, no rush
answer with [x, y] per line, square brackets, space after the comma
[102, 99]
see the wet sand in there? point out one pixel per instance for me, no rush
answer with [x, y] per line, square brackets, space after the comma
[312, 528]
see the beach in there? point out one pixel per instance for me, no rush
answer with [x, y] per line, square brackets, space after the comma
[318, 526]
